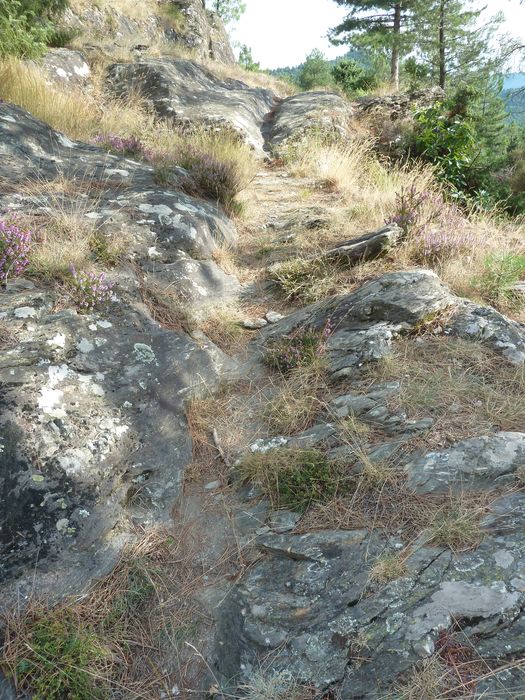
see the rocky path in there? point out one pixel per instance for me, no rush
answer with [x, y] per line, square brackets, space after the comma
[341, 501]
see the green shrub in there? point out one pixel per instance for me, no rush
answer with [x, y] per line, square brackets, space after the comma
[448, 141]
[292, 479]
[352, 77]
[60, 659]
[500, 275]
[25, 26]
[20, 34]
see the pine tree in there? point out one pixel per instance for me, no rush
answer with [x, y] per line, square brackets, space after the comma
[246, 59]
[315, 71]
[228, 10]
[380, 23]
[453, 43]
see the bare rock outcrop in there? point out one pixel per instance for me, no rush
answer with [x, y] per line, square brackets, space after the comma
[185, 92]
[93, 404]
[309, 112]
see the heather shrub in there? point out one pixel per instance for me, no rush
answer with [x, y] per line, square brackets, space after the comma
[121, 145]
[301, 349]
[89, 290]
[435, 228]
[15, 245]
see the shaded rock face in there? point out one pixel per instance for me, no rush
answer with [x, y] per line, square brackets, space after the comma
[107, 29]
[187, 93]
[309, 112]
[204, 32]
[92, 422]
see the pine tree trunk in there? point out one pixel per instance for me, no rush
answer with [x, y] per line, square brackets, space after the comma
[442, 52]
[394, 65]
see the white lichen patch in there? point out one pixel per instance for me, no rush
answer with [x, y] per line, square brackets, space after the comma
[25, 312]
[85, 346]
[49, 402]
[58, 341]
[93, 215]
[117, 171]
[144, 354]
[160, 209]
[65, 141]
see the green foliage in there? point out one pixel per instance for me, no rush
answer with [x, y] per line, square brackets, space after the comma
[501, 273]
[416, 72]
[228, 10]
[26, 28]
[246, 59]
[59, 652]
[20, 34]
[447, 140]
[292, 479]
[468, 138]
[352, 77]
[315, 71]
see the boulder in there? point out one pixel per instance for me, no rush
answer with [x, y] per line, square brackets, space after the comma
[364, 323]
[191, 94]
[307, 112]
[66, 67]
[486, 325]
[92, 422]
[473, 464]
[366, 247]
[395, 107]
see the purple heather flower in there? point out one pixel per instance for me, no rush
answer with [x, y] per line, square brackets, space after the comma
[15, 245]
[89, 289]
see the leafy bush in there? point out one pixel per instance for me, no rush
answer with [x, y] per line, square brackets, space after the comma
[15, 244]
[448, 141]
[25, 26]
[293, 479]
[20, 34]
[500, 275]
[352, 77]
[315, 71]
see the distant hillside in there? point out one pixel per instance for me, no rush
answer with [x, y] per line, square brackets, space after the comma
[514, 95]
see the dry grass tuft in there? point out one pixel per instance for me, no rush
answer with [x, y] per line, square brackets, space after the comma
[298, 400]
[7, 336]
[389, 568]
[120, 638]
[223, 326]
[466, 388]
[166, 306]
[456, 524]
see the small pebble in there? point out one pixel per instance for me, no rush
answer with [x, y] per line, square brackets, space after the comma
[273, 317]
[254, 324]
[212, 485]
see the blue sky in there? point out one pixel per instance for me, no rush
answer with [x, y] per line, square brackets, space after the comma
[282, 32]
